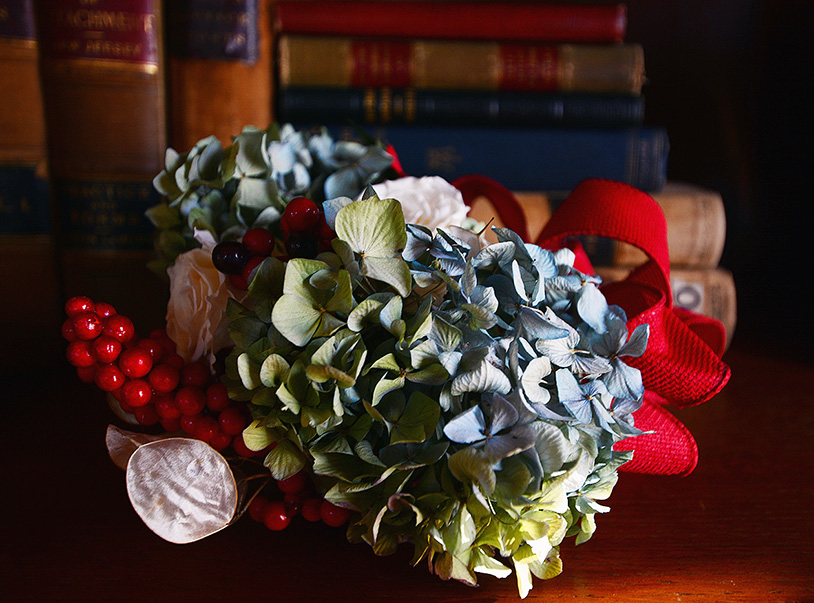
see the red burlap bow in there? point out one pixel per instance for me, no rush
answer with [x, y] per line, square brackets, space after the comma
[682, 365]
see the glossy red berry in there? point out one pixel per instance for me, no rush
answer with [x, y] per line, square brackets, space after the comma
[136, 362]
[332, 515]
[87, 374]
[166, 407]
[188, 422]
[175, 360]
[220, 441]
[146, 415]
[217, 397]
[78, 304]
[106, 349]
[136, 392]
[232, 421]
[301, 214]
[195, 374]
[190, 400]
[253, 263]
[275, 516]
[259, 241]
[238, 282]
[87, 325]
[67, 330]
[80, 353]
[120, 327]
[105, 310]
[153, 346]
[257, 506]
[241, 449]
[163, 378]
[311, 509]
[170, 425]
[206, 428]
[294, 484]
[293, 504]
[109, 377]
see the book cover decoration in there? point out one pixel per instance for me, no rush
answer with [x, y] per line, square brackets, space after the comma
[338, 333]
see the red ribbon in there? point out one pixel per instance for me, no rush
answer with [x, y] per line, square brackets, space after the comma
[682, 365]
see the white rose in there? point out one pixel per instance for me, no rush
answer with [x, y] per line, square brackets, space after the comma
[430, 201]
[198, 297]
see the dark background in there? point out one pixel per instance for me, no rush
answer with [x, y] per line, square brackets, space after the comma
[731, 80]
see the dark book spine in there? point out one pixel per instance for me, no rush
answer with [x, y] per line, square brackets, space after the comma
[552, 159]
[457, 107]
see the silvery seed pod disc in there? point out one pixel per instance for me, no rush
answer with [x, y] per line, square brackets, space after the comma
[181, 488]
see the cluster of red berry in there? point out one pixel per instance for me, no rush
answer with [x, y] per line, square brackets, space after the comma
[151, 381]
[305, 231]
[148, 378]
[298, 499]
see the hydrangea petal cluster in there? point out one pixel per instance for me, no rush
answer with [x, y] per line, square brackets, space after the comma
[477, 425]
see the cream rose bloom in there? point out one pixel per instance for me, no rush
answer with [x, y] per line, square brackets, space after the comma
[198, 297]
[430, 201]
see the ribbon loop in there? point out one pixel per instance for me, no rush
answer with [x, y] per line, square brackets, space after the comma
[681, 366]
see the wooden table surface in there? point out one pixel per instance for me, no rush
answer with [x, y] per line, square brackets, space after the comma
[739, 528]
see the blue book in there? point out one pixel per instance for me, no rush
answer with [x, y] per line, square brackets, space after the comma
[528, 159]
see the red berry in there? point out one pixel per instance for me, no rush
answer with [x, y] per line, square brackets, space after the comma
[195, 373]
[77, 305]
[293, 504]
[153, 346]
[126, 408]
[188, 423]
[232, 421]
[67, 330]
[301, 214]
[105, 310]
[146, 415]
[284, 224]
[136, 392]
[87, 325]
[312, 509]
[294, 484]
[241, 449]
[106, 349]
[257, 506]
[109, 377]
[120, 327]
[166, 407]
[206, 428]
[259, 241]
[220, 440]
[80, 353]
[275, 516]
[176, 361]
[136, 362]
[170, 425]
[190, 400]
[238, 282]
[217, 397]
[87, 374]
[163, 378]
[332, 515]
[253, 263]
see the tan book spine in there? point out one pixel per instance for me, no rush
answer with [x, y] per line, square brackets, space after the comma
[102, 72]
[443, 64]
[707, 291]
[219, 64]
[696, 228]
[31, 316]
[535, 205]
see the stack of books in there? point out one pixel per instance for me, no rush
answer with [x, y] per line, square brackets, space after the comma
[473, 87]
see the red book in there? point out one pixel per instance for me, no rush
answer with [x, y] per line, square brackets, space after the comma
[473, 20]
